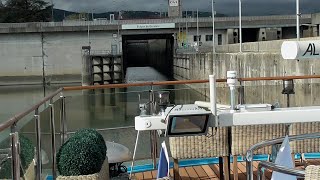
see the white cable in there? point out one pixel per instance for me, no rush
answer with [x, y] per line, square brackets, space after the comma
[134, 153]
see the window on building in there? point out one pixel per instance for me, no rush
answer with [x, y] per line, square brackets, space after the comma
[195, 38]
[209, 37]
[219, 39]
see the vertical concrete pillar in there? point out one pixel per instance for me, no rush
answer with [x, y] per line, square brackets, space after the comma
[86, 73]
[178, 66]
[232, 36]
[192, 65]
[197, 67]
[203, 65]
[229, 38]
[262, 34]
[271, 34]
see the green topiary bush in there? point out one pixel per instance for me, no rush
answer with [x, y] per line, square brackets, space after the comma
[26, 157]
[83, 154]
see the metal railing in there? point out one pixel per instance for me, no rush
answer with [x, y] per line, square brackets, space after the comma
[14, 135]
[277, 168]
[145, 21]
[12, 123]
[249, 155]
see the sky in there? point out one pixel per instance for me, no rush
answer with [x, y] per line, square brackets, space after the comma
[229, 7]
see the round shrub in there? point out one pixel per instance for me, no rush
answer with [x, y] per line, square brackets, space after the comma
[83, 154]
[26, 157]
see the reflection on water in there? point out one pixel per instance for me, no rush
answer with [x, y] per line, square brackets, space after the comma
[15, 99]
[115, 107]
[109, 108]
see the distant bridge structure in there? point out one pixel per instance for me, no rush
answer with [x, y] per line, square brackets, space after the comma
[51, 51]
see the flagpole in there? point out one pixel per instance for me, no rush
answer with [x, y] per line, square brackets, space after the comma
[298, 19]
[240, 25]
[213, 37]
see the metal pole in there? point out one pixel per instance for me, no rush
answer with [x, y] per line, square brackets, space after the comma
[134, 154]
[261, 175]
[298, 19]
[281, 169]
[15, 153]
[179, 34]
[63, 127]
[213, 36]
[287, 125]
[53, 139]
[198, 27]
[249, 166]
[241, 93]
[213, 97]
[119, 38]
[38, 146]
[186, 27]
[89, 43]
[153, 137]
[92, 14]
[240, 25]
[232, 98]
[153, 134]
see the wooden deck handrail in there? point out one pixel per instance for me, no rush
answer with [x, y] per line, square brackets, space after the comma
[280, 78]
[162, 83]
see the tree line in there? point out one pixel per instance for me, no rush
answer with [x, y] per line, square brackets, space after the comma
[19, 11]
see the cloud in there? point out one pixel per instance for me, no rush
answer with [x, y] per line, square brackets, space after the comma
[230, 7]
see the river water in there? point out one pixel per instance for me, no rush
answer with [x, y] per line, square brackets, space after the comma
[106, 110]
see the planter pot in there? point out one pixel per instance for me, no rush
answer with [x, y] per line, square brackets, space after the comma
[30, 172]
[102, 175]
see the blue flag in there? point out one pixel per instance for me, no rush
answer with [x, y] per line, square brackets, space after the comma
[163, 166]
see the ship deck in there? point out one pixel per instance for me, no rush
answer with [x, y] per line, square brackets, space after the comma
[211, 171]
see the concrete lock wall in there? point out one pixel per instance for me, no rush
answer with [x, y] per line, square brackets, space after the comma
[253, 64]
[26, 57]
[261, 46]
